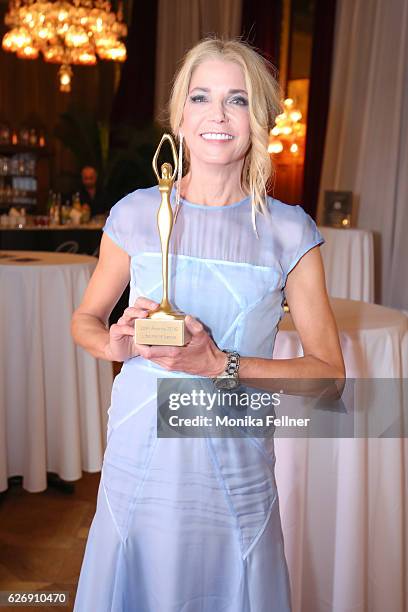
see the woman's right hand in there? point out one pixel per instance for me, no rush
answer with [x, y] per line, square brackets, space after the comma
[121, 334]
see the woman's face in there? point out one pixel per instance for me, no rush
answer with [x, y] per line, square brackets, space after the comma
[215, 121]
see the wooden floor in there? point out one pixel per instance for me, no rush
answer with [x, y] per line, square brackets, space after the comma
[43, 537]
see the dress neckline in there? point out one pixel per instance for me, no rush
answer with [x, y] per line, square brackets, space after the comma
[215, 207]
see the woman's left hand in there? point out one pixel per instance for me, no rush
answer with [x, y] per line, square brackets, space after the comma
[201, 356]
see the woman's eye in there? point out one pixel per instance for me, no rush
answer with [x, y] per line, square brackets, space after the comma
[197, 98]
[239, 100]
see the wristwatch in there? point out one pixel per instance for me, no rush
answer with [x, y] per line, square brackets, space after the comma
[229, 379]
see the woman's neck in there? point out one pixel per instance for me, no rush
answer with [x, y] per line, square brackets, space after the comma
[214, 186]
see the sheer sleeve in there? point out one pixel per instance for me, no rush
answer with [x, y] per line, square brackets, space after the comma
[118, 225]
[306, 235]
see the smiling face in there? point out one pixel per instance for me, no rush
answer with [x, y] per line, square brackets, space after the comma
[215, 121]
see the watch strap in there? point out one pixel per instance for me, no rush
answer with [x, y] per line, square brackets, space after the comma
[232, 367]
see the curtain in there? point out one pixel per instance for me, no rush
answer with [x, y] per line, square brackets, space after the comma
[318, 103]
[366, 149]
[261, 26]
[134, 100]
[182, 24]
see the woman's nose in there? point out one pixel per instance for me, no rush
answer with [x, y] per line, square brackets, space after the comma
[218, 112]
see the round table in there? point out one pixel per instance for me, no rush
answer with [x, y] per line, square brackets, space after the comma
[343, 501]
[54, 395]
[348, 257]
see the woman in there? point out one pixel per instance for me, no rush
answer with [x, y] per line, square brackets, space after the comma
[192, 524]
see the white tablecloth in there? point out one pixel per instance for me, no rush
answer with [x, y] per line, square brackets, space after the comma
[348, 256]
[344, 501]
[54, 396]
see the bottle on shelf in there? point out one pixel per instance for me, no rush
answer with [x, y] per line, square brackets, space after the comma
[24, 135]
[76, 200]
[86, 213]
[51, 205]
[76, 211]
[32, 138]
[4, 133]
[66, 213]
[57, 211]
[22, 220]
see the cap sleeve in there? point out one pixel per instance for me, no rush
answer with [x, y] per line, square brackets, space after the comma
[118, 223]
[306, 236]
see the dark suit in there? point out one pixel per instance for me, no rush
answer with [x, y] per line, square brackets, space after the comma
[98, 203]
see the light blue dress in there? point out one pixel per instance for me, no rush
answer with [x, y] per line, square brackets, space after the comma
[193, 524]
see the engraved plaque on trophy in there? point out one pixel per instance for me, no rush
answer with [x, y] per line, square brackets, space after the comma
[165, 325]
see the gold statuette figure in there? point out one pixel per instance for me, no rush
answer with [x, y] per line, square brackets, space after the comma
[165, 325]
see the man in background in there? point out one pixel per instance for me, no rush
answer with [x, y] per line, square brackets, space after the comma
[90, 192]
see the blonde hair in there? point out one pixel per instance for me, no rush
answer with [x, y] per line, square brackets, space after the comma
[264, 99]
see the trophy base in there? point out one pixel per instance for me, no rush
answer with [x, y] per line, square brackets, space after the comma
[161, 332]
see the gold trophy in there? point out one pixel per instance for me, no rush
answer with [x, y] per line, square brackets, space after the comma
[165, 325]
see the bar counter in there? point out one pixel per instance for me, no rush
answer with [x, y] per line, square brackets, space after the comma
[83, 239]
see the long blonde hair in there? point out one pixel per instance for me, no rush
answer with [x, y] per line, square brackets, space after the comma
[264, 99]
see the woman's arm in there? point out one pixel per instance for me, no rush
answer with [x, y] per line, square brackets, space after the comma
[314, 320]
[89, 325]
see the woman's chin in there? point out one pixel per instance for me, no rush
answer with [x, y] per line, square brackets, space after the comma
[217, 158]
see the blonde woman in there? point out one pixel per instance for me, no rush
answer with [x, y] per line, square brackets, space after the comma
[192, 524]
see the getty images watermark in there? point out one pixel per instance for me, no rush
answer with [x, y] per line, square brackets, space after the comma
[213, 401]
[315, 408]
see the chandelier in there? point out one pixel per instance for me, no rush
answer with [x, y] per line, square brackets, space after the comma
[65, 33]
[288, 132]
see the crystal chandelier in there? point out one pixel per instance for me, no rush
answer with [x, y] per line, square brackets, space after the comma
[65, 33]
[288, 131]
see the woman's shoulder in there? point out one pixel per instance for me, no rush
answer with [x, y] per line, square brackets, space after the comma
[291, 219]
[127, 217]
[295, 230]
[291, 212]
[139, 197]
